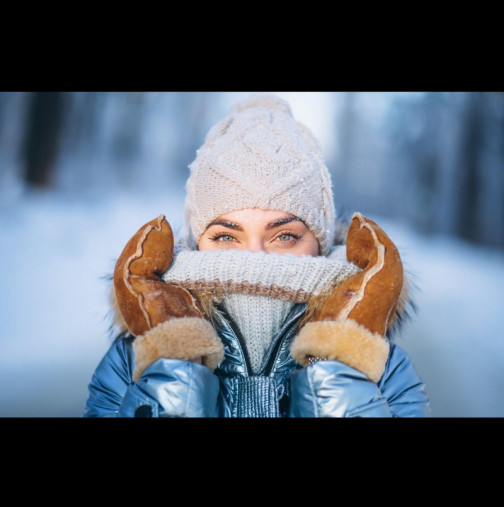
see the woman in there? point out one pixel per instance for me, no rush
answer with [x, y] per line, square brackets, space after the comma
[260, 313]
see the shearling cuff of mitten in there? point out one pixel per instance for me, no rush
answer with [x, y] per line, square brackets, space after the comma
[345, 341]
[187, 338]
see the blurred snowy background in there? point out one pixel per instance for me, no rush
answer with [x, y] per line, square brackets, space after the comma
[80, 172]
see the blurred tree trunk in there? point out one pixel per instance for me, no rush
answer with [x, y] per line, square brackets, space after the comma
[467, 179]
[191, 112]
[344, 166]
[491, 171]
[41, 143]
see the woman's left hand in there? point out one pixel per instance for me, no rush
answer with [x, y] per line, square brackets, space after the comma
[370, 297]
[351, 325]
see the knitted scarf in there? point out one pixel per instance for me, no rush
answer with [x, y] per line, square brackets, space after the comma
[257, 289]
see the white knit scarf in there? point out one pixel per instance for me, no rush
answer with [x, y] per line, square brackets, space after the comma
[258, 289]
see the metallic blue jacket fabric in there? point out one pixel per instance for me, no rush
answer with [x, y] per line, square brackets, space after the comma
[177, 388]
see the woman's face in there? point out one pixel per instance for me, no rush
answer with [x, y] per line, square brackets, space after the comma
[259, 230]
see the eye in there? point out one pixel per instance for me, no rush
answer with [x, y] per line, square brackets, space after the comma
[224, 238]
[285, 237]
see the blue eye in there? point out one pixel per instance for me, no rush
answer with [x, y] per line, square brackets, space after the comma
[285, 237]
[223, 238]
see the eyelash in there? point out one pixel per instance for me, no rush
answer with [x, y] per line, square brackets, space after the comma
[293, 240]
[221, 235]
[294, 237]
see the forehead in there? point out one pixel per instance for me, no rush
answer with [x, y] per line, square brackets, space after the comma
[255, 215]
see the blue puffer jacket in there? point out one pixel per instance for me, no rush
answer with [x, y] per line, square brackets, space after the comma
[177, 388]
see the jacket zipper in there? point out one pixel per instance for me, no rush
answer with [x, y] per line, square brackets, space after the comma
[274, 353]
[285, 332]
[229, 321]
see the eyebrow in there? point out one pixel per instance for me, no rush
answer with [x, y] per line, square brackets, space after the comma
[226, 223]
[269, 226]
[283, 221]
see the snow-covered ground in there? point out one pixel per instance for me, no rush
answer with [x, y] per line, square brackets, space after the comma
[456, 337]
[55, 252]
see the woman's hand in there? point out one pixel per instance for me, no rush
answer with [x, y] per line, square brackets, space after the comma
[370, 297]
[352, 322]
[165, 319]
[143, 298]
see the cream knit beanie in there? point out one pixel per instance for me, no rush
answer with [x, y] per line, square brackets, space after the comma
[259, 156]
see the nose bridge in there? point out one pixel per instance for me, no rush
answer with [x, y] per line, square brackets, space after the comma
[255, 244]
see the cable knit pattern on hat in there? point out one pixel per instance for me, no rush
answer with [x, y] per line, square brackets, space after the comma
[260, 157]
[258, 289]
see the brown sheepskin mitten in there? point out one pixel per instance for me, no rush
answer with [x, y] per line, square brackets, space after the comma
[352, 322]
[165, 319]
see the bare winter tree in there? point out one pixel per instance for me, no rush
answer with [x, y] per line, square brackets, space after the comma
[41, 141]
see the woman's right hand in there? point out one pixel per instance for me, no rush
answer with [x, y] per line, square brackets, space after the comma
[165, 319]
[144, 300]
